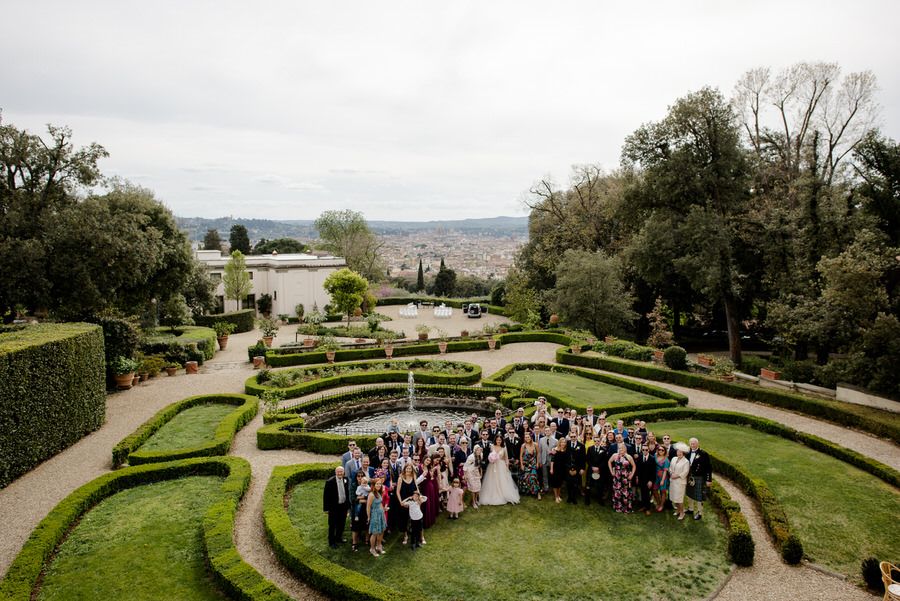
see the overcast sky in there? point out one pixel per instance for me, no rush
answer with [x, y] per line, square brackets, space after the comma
[400, 110]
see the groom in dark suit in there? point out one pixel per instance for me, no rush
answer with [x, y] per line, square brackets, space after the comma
[336, 503]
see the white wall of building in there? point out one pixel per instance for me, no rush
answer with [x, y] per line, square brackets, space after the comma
[290, 279]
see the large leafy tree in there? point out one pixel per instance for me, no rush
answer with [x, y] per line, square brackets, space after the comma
[877, 162]
[693, 179]
[280, 245]
[346, 234]
[444, 281]
[236, 279]
[212, 241]
[347, 290]
[590, 294]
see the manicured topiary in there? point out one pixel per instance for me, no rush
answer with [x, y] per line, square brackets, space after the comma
[243, 320]
[675, 357]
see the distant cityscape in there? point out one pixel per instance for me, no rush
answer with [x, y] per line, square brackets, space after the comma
[484, 248]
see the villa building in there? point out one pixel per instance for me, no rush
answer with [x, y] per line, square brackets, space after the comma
[290, 279]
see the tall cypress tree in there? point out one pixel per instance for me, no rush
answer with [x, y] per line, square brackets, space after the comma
[239, 239]
[420, 281]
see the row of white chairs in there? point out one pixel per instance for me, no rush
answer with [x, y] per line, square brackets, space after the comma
[443, 312]
[411, 311]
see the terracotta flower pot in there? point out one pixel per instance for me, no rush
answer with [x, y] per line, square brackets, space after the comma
[144, 375]
[770, 374]
[259, 361]
[554, 319]
[609, 339]
[492, 343]
[502, 330]
[192, 367]
[443, 347]
[171, 370]
[267, 340]
[223, 342]
[576, 350]
[308, 342]
[388, 351]
[330, 356]
[124, 380]
[727, 378]
[658, 354]
[423, 336]
[707, 361]
[464, 333]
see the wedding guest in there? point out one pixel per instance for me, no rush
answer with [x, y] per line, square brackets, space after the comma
[528, 460]
[546, 447]
[406, 486]
[443, 480]
[661, 484]
[622, 468]
[429, 489]
[421, 433]
[351, 444]
[376, 518]
[394, 427]
[558, 464]
[373, 452]
[678, 473]
[596, 468]
[513, 444]
[472, 473]
[358, 526]
[353, 464]
[416, 516]
[646, 475]
[575, 456]
[455, 499]
[460, 456]
[699, 477]
[336, 503]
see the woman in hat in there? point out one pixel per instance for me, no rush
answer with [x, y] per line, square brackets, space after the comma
[678, 473]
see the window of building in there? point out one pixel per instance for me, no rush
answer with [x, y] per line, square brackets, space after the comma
[249, 302]
[220, 304]
[215, 275]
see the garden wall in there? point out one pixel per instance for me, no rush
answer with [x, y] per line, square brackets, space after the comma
[52, 392]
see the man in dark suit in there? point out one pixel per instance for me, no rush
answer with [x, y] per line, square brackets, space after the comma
[590, 418]
[485, 443]
[513, 445]
[700, 474]
[596, 465]
[562, 424]
[494, 429]
[575, 460]
[501, 423]
[646, 474]
[336, 503]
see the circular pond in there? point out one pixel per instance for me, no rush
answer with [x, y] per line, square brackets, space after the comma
[378, 421]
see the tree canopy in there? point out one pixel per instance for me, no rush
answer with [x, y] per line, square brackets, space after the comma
[280, 245]
[239, 239]
[212, 241]
[347, 290]
[236, 279]
[346, 234]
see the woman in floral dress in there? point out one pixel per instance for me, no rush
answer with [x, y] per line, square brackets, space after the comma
[528, 456]
[622, 468]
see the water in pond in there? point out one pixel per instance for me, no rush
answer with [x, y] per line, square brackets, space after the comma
[379, 421]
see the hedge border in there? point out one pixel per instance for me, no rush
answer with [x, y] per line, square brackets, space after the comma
[244, 320]
[239, 579]
[126, 450]
[275, 359]
[424, 377]
[162, 339]
[298, 558]
[741, 546]
[831, 411]
[283, 433]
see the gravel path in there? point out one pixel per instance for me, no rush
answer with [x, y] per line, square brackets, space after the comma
[28, 499]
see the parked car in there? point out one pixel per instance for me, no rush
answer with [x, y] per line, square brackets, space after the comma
[474, 311]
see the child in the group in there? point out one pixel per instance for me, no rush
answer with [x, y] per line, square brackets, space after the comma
[472, 474]
[414, 503]
[394, 427]
[444, 482]
[455, 500]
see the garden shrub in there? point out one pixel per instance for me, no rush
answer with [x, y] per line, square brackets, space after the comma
[625, 349]
[675, 357]
[127, 449]
[52, 392]
[177, 347]
[752, 364]
[741, 547]
[257, 350]
[244, 320]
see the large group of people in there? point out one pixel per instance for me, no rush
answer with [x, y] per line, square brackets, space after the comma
[405, 481]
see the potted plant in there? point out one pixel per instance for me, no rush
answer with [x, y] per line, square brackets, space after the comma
[223, 330]
[609, 339]
[705, 360]
[492, 343]
[770, 372]
[388, 344]
[309, 333]
[269, 330]
[264, 304]
[123, 370]
[373, 320]
[299, 310]
[172, 367]
[502, 329]
[488, 329]
[330, 346]
[724, 369]
[577, 340]
[423, 330]
[283, 318]
[442, 341]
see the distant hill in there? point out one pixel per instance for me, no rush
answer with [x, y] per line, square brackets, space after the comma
[301, 229]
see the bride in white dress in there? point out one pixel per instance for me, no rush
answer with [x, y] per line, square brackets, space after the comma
[497, 485]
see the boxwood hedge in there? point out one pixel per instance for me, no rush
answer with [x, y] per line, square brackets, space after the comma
[176, 347]
[288, 357]
[473, 374]
[126, 450]
[244, 320]
[741, 547]
[52, 392]
[231, 573]
[877, 422]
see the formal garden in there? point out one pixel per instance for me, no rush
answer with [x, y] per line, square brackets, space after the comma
[162, 522]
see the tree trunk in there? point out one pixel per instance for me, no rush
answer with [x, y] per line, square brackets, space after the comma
[734, 333]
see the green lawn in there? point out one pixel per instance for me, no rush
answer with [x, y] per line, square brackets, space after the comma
[190, 427]
[143, 543]
[582, 391]
[536, 550]
[841, 513]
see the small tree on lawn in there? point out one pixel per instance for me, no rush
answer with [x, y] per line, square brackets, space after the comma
[175, 312]
[660, 335]
[236, 278]
[347, 289]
